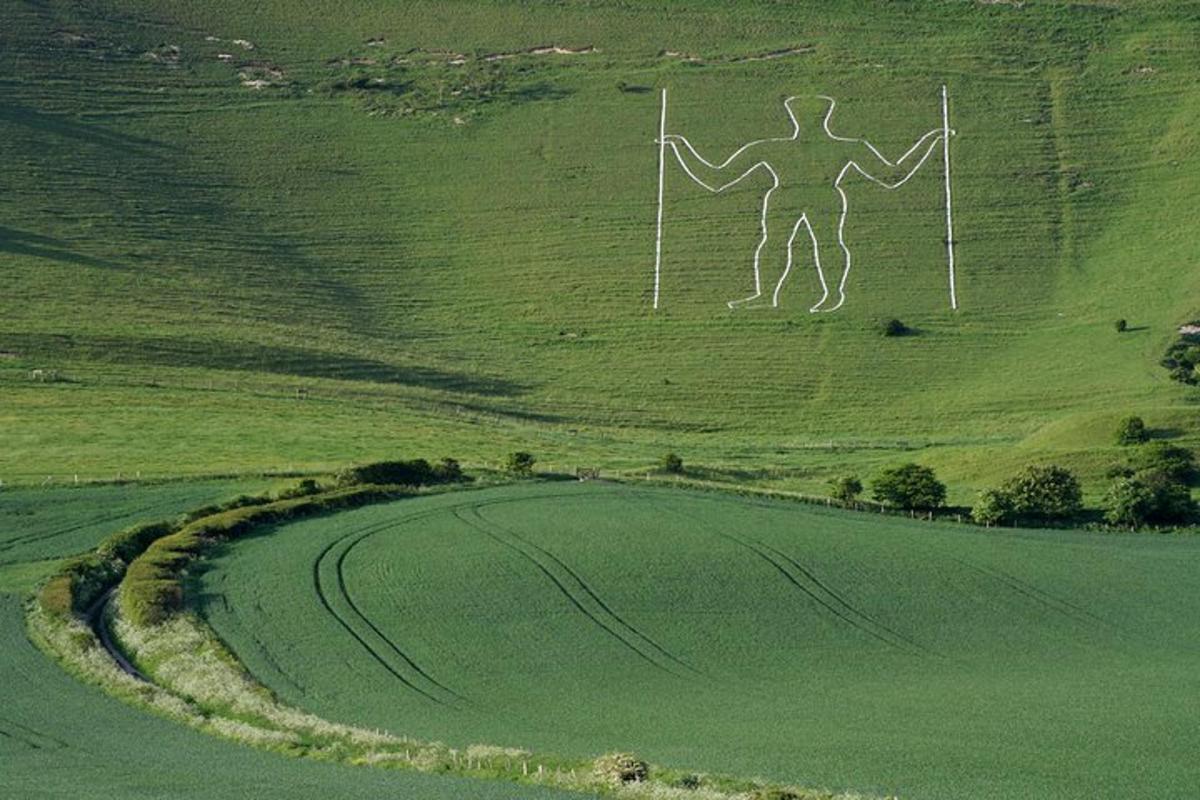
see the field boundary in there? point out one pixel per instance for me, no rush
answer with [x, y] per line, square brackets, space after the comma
[191, 677]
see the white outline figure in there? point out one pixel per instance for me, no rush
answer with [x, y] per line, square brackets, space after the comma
[675, 140]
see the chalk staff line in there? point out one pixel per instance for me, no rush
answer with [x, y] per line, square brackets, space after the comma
[949, 215]
[662, 161]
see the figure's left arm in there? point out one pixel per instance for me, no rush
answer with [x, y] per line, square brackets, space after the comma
[894, 174]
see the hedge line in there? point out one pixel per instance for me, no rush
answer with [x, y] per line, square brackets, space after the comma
[152, 589]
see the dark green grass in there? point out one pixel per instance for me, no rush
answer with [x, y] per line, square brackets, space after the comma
[716, 633]
[37, 524]
[59, 738]
[188, 251]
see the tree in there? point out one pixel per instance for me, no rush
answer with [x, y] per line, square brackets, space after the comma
[671, 463]
[992, 508]
[845, 489]
[1177, 462]
[1128, 502]
[909, 486]
[1132, 430]
[1122, 326]
[520, 463]
[1148, 498]
[894, 327]
[449, 470]
[1044, 492]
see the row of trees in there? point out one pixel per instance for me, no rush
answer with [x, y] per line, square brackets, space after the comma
[1152, 486]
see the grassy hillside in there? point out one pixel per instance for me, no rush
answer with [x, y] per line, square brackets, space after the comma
[717, 633]
[453, 252]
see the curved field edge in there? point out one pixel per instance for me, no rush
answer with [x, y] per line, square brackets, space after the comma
[131, 589]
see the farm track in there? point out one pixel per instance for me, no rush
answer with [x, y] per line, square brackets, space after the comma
[405, 669]
[580, 594]
[803, 579]
[22, 734]
[369, 635]
[1040, 597]
[31, 538]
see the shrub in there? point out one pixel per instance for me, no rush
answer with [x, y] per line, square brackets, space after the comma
[845, 488]
[671, 463]
[1046, 492]
[1183, 356]
[992, 508]
[302, 489]
[520, 463]
[1178, 463]
[1148, 498]
[621, 768]
[1132, 430]
[448, 470]
[909, 486]
[1122, 326]
[417, 472]
[894, 327]
[775, 794]
[689, 781]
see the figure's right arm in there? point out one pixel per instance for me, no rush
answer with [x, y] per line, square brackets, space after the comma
[714, 177]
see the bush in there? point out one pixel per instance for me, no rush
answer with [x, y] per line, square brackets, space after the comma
[621, 768]
[417, 472]
[1122, 326]
[671, 463]
[688, 781]
[894, 327]
[909, 486]
[1182, 358]
[992, 508]
[1178, 463]
[520, 463]
[845, 489]
[1132, 430]
[1043, 493]
[302, 489]
[1148, 499]
[448, 470]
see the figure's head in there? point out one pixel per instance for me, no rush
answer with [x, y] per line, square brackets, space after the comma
[807, 111]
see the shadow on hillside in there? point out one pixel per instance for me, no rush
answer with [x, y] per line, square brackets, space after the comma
[248, 357]
[22, 243]
[70, 128]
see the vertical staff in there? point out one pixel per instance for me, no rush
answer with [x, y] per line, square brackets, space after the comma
[949, 218]
[662, 145]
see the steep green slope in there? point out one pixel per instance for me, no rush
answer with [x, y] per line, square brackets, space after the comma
[717, 633]
[459, 255]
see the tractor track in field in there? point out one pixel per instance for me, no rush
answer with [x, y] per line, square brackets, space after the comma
[1039, 596]
[31, 738]
[415, 675]
[584, 598]
[819, 592]
[31, 538]
[838, 599]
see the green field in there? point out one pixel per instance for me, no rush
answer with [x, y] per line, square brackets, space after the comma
[459, 259]
[746, 637]
[243, 240]
[59, 738]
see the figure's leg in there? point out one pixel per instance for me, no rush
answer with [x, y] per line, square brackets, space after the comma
[831, 256]
[773, 255]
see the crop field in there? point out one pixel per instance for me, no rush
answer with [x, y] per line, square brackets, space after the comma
[749, 637]
[441, 232]
[42, 524]
[59, 738]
